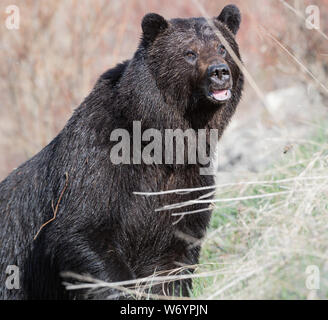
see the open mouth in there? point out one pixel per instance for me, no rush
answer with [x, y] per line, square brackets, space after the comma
[220, 95]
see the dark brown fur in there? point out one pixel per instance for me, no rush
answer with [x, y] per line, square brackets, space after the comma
[102, 228]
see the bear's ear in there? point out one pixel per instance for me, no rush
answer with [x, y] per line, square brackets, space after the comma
[152, 24]
[231, 17]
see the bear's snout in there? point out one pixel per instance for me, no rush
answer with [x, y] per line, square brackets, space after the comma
[219, 82]
[219, 76]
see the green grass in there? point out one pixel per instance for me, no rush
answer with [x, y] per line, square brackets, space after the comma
[261, 248]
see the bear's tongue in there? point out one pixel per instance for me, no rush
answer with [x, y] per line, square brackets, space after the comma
[221, 95]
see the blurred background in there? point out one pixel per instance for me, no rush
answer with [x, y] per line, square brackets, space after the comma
[270, 222]
[52, 61]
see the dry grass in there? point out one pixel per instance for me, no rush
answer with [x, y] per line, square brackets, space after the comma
[268, 243]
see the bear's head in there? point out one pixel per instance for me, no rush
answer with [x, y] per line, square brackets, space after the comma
[189, 62]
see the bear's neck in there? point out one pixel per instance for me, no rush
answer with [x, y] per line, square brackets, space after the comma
[140, 99]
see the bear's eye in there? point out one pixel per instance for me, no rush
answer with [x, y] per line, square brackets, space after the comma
[190, 56]
[222, 50]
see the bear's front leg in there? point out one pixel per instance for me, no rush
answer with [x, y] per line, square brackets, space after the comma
[77, 254]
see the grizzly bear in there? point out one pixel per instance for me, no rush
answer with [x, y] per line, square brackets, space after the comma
[70, 208]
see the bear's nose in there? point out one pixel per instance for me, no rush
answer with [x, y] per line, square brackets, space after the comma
[219, 73]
